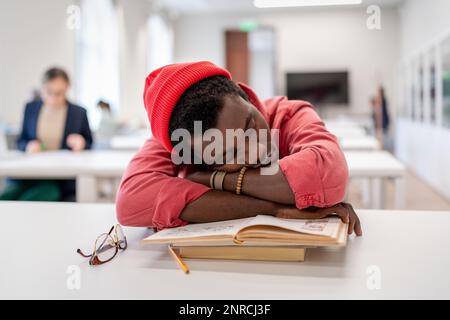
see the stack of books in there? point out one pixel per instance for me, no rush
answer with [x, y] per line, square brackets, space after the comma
[264, 238]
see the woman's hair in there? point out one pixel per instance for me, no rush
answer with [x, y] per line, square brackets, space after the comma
[202, 102]
[104, 105]
[54, 73]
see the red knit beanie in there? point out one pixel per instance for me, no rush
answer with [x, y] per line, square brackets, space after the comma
[164, 87]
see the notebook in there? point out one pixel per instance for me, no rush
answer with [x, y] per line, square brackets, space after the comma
[262, 237]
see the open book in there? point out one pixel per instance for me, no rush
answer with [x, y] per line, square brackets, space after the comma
[262, 230]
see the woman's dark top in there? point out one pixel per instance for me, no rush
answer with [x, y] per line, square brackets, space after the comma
[76, 123]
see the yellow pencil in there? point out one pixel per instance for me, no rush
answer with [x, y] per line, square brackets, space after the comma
[177, 258]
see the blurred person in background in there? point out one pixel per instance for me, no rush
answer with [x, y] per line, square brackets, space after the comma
[108, 126]
[50, 123]
[380, 115]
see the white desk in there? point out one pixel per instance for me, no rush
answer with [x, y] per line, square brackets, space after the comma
[86, 167]
[364, 143]
[410, 250]
[362, 121]
[350, 138]
[375, 167]
[347, 132]
[358, 122]
[130, 142]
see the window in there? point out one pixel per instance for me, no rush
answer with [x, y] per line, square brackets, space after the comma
[421, 87]
[160, 42]
[445, 50]
[404, 87]
[412, 91]
[97, 57]
[432, 85]
[407, 90]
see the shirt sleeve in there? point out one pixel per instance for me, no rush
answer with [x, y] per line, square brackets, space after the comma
[151, 194]
[24, 137]
[86, 130]
[315, 168]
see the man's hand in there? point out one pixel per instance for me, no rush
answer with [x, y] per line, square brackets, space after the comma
[76, 142]
[343, 210]
[33, 146]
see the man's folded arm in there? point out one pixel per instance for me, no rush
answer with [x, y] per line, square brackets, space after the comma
[151, 194]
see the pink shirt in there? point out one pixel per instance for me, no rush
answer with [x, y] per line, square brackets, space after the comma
[153, 191]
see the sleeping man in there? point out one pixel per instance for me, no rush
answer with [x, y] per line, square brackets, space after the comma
[219, 153]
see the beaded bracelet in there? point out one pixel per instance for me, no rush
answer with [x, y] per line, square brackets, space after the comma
[240, 180]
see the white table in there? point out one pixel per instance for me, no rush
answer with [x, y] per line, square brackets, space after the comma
[405, 254]
[347, 132]
[129, 142]
[350, 138]
[86, 167]
[375, 167]
[89, 166]
[364, 143]
[361, 120]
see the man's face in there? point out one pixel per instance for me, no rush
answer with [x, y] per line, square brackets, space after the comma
[249, 149]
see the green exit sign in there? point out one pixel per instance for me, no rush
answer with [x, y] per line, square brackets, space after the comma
[247, 26]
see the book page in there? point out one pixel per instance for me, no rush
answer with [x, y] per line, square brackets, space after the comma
[193, 231]
[324, 227]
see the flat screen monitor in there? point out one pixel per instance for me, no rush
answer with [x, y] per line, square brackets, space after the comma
[319, 88]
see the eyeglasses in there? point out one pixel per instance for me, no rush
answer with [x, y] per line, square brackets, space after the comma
[114, 239]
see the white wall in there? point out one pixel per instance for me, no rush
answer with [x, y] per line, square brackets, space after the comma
[424, 148]
[421, 22]
[133, 15]
[310, 40]
[33, 36]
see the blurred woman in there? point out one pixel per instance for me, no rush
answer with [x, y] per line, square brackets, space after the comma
[380, 114]
[52, 123]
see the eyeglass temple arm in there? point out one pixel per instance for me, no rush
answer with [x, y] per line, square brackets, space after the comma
[82, 254]
[111, 230]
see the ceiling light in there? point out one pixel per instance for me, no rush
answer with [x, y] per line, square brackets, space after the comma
[302, 3]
